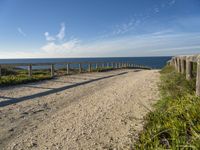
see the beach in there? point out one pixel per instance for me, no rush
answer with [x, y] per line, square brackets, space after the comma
[84, 111]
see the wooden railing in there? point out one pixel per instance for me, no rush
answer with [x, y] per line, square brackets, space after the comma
[98, 65]
[184, 65]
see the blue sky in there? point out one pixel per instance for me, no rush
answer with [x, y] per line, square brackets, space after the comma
[98, 28]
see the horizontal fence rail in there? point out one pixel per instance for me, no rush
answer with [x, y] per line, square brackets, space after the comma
[70, 65]
[184, 65]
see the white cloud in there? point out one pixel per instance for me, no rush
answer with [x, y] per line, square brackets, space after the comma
[21, 31]
[48, 37]
[58, 44]
[61, 33]
[59, 37]
[52, 47]
[155, 44]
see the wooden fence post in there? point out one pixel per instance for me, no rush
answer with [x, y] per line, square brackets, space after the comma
[108, 65]
[52, 70]
[112, 66]
[68, 68]
[175, 64]
[189, 67]
[80, 68]
[89, 67]
[96, 65]
[179, 65]
[30, 70]
[0, 71]
[198, 77]
[183, 65]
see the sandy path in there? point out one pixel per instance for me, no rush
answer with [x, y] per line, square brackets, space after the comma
[105, 111]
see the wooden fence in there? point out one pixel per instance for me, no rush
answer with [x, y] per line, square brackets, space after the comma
[184, 65]
[98, 65]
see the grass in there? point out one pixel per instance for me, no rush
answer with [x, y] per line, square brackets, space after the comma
[175, 123]
[20, 76]
[15, 76]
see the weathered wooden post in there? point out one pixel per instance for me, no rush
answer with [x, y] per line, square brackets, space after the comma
[89, 67]
[0, 71]
[183, 65]
[80, 68]
[116, 65]
[68, 68]
[102, 65]
[189, 67]
[96, 65]
[112, 65]
[52, 70]
[30, 70]
[179, 65]
[198, 77]
[175, 64]
[108, 65]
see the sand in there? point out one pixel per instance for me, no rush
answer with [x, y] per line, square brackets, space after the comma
[83, 111]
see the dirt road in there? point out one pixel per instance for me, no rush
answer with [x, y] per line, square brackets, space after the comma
[84, 111]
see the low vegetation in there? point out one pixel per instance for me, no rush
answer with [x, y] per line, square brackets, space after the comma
[175, 123]
[20, 76]
[14, 76]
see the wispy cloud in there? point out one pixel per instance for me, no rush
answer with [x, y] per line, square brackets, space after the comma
[21, 31]
[61, 34]
[52, 47]
[48, 37]
[152, 44]
[125, 27]
[58, 43]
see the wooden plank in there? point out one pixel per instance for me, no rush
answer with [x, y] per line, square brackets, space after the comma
[198, 77]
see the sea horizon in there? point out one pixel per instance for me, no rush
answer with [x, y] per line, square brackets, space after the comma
[151, 61]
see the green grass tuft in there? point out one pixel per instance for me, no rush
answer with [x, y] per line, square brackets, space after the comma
[175, 123]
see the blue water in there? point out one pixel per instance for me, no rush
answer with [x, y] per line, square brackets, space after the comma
[153, 62]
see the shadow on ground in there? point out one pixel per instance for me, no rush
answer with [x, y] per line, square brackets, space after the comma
[51, 91]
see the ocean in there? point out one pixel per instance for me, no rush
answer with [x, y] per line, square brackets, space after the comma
[153, 62]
